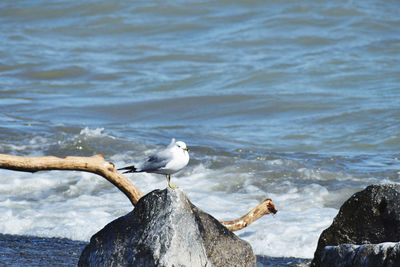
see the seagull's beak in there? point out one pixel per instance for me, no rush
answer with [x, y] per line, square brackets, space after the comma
[187, 149]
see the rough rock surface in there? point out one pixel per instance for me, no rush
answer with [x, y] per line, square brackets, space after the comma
[165, 229]
[370, 216]
[368, 255]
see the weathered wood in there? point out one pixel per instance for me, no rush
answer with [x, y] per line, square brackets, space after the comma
[96, 164]
[265, 207]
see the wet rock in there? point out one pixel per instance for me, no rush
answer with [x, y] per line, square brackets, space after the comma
[370, 216]
[368, 255]
[166, 229]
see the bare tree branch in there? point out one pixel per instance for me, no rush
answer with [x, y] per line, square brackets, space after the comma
[96, 164]
[265, 207]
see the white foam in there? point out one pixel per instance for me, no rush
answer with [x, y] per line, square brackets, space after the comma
[293, 231]
[58, 204]
[98, 132]
[32, 146]
[36, 144]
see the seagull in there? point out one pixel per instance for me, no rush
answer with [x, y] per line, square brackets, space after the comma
[168, 161]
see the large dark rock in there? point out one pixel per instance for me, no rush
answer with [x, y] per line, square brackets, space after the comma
[165, 229]
[369, 217]
[368, 255]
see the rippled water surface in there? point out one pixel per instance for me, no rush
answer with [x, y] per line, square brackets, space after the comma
[296, 101]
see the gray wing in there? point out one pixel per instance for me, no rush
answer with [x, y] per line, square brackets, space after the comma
[154, 163]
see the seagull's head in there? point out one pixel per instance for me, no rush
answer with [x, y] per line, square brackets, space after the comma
[182, 145]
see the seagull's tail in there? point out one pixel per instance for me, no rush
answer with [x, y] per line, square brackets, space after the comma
[129, 169]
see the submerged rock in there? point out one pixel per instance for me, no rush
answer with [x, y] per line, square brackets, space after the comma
[370, 216]
[368, 255]
[166, 229]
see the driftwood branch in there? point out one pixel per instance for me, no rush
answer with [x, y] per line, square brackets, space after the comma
[96, 164]
[265, 207]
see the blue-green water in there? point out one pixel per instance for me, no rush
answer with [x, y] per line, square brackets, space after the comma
[296, 101]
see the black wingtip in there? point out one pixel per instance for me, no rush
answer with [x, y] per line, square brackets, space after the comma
[128, 168]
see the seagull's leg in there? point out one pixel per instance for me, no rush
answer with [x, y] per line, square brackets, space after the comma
[169, 180]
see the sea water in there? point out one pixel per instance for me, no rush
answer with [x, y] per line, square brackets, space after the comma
[294, 101]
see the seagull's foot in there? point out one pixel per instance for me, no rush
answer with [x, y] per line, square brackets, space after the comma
[171, 186]
[169, 182]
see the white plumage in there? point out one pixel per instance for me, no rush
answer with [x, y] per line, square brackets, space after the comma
[168, 161]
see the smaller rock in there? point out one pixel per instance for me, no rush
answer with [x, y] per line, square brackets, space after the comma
[371, 216]
[368, 255]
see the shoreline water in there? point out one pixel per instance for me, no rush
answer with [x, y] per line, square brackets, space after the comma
[21, 250]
